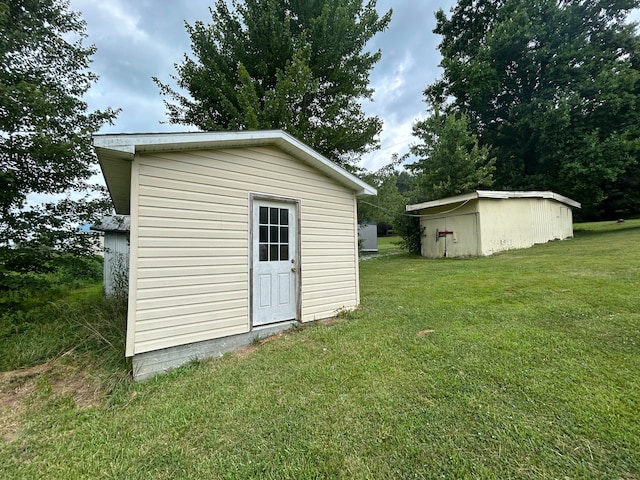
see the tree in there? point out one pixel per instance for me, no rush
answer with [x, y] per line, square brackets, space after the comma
[298, 65]
[450, 161]
[45, 128]
[389, 203]
[552, 86]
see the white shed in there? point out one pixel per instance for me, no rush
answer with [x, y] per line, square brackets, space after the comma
[233, 235]
[485, 222]
[368, 237]
[116, 252]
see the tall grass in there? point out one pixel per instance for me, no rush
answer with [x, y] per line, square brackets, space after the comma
[83, 322]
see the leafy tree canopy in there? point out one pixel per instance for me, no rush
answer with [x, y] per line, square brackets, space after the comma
[45, 128]
[393, 186]
[450, 161]
[298, 65]
[553, 87]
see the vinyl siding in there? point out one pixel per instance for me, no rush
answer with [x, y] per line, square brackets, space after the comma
[192, 249]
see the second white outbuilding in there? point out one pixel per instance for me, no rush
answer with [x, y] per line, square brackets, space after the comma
[485, 222]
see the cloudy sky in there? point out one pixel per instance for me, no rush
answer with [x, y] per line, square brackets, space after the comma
[140, 39]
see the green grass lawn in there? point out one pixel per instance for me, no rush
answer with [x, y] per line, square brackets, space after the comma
[519, 365]
[386, 246]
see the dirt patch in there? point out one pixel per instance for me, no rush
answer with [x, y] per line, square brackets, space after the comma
[246, 351]
[330, 321]
[24, 388]
[422, 333]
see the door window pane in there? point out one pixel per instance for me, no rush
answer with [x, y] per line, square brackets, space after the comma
[273, 234]
[264, 252]
[264, 215]
[273, 216]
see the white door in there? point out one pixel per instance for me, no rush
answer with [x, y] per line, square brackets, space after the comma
[274, 262]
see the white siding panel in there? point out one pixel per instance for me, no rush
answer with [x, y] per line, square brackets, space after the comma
[227, 263]
[331, 275]
[207, 239]
[160, 287]
[196, 232]
[199, 179]
[151, 297]
[188, 309]
[332, 294]
[193, 252]
[221, 249]
[321, 259]
[186, 199]
[193, 211]
[178, 298]
[232, 164]
[219, 316]
[194, 222]
[335, 285]
[318, 211]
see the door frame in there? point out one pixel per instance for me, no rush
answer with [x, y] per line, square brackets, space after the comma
[296, 203]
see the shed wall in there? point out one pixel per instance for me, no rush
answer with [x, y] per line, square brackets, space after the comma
[368, 237]
[522, 222]
[461, 219]
[191, 223]
[505, 224]
[116, 262]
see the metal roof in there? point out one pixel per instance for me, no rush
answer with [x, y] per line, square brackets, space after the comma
[493, 194]
[116, 223]
[117, 151]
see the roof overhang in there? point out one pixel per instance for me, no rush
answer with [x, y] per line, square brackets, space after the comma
[113, 223]
[493, 194]
[116, 152]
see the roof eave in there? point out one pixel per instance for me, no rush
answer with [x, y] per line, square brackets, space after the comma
[496, 194]
[123, 147]
[442, 202]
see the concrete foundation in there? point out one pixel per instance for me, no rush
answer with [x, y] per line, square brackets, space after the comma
[147, 364]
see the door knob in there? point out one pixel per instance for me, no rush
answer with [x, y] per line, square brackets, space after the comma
[294, 269]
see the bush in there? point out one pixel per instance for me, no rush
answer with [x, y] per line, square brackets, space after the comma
[409, 229]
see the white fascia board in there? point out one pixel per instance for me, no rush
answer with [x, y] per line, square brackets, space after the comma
[442, 201]
[156, 142]
[493, 194]
[528, 194]
[566, 200]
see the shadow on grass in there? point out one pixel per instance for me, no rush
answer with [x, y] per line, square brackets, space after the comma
[623, 228]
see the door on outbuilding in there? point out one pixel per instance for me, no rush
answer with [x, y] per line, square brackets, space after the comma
[274, 261]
